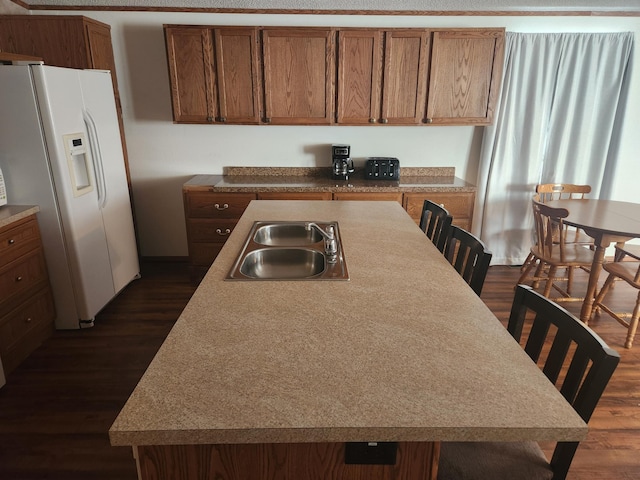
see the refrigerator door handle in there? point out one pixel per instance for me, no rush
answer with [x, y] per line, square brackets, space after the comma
[97, 157]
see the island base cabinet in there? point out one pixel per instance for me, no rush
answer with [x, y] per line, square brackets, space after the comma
[280, 461]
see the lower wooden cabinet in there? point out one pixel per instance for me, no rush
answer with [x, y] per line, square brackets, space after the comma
[211, 216]
[459, 205]
[26, 305]
[210, 219]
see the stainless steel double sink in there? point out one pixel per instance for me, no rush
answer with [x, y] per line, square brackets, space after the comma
[288, 250]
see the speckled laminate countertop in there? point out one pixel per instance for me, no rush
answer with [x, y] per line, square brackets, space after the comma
[265, 179]
[402, 351]
[13, 213]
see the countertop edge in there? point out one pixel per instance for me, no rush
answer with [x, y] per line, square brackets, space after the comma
[12, 213]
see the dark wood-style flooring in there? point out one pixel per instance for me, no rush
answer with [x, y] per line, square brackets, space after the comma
[57, 407]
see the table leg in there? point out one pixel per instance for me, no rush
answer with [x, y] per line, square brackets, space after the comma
[596, 267]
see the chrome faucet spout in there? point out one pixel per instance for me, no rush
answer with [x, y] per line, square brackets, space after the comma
[330, 241]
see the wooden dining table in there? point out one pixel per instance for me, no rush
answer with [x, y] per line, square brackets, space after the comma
[606, 221]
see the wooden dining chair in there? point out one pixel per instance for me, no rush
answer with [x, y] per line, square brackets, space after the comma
[563, 191]
[629, 271]
[469, 257]
[551, 252]
[435, 222]
[574, 359]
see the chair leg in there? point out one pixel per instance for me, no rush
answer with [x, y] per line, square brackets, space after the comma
[569, 279]
[602, 293]
[538, 274]
[633, 324]
[552, 274]
[527, 261]
[526, 271]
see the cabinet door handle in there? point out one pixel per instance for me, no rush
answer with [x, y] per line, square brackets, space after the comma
[428, 120]
[372, 120]
[18, 278]
[11, 241]
[28, 320]
[384, 120]
[223, 234]
[267, 120]
[223, 207]
[222, 119]
[209, 119]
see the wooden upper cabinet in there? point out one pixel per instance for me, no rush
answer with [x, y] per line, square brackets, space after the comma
[298, 75]
[70, 41]
[287, 76]
[405, 73]
[466, 71]
[190, 57]
[359, 76]
[379, 84]
[213, 74]
[237, 75]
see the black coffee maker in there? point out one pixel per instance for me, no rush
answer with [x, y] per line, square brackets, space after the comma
[342, 165]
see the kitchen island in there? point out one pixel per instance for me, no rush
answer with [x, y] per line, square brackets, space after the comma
[272, 377]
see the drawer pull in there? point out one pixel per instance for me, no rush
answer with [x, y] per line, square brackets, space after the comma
[28, 320]
[18, 279]
[225, 233]
[11, 241]
[223, 207]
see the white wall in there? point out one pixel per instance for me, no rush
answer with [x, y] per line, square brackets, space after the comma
[163, 155]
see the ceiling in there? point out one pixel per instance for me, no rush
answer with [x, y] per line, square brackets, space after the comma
[341, 5]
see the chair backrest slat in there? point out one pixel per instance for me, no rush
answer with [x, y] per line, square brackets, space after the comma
[557, 354]
[469, 257]
[435, 222]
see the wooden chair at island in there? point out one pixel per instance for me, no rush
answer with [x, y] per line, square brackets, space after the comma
[629, 271]
[435, 222]
[581, 377]
[552, 251]
[469, 256]
[562, 191]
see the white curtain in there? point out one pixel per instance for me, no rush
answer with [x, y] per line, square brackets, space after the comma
[560, 112]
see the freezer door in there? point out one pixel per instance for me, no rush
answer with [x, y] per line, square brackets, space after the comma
[59, 93]
[25, 165]
[113, 192]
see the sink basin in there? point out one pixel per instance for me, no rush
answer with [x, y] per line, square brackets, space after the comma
[283, 263]
[286, 234]
[285, 250]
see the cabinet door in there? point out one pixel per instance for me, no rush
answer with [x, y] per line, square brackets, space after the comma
[359, 76]
[58, 40]
[101, 51]
[237, 74]
[298, 75]
[466, 71]
[405, 76]
[190, 56]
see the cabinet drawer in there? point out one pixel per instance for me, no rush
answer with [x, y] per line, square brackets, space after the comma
[18, 239]
[216, 205]
[215, 231]
[22, 274]
[295, 196]
[382, 196]
[459, 205]
[19, 323]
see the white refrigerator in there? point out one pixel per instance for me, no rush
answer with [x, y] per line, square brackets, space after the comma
[60, 149]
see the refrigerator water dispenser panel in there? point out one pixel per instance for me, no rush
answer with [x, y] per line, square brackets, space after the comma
[79, 163]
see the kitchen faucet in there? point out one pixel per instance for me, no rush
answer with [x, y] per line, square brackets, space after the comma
[330, 241]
